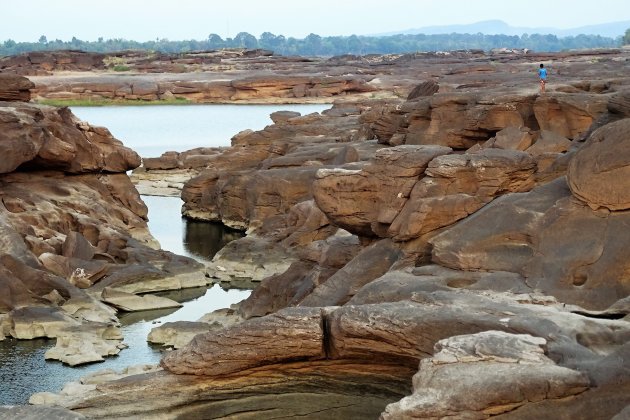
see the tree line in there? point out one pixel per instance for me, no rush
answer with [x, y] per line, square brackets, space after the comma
[315, 45]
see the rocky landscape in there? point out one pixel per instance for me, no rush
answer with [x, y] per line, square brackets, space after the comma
[74, 232]
[448, 244]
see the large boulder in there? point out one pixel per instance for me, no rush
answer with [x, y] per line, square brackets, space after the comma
[288, 335]
[361, 200]
[485, 374]
[598, 172]
[534, 234]
[457, 185]
[570, 115]
[42, 137]
[15, 88]
[369, 264]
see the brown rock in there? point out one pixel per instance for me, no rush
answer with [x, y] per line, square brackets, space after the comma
[280, 291]
[457, 185]
[369, 264]
[619, 104]
[169, 160]
[77, 271]
[299, 389]
[288, 335]
[360, 200]
[549, 142]
[489, 373]
[280, 117]
[426, 88]
[49, 138]
[568, 115]
[597, 173]
[534, 234]
[76, 246]
[463, 119]
[511, 138]
[15, 88]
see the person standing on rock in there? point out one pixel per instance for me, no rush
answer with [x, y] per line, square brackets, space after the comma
[542, 74]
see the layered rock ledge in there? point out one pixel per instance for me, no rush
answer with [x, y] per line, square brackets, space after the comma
[459, 253]
[72, 225]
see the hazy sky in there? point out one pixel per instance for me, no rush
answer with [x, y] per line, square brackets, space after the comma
[27, 20]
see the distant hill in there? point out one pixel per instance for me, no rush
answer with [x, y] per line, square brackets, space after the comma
[493, 27]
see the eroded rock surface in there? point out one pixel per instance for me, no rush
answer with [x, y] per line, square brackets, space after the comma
[438, 235]
[485, 374]
[598, 170]
[72, 223]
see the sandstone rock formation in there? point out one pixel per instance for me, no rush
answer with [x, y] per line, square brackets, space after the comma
[596, 169]
[43, 62]
[498, 373]
[72, 224]
[498, 222]
[438, 242]
[15, 88]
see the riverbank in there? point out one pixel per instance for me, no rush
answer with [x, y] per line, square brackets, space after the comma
[110, 102]
[457, 251]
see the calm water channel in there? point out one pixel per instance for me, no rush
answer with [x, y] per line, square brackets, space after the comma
[150, 130]
[153, 130]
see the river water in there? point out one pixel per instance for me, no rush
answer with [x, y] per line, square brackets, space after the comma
[150, 130]
[153, 130]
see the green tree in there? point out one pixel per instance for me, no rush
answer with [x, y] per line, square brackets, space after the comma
[43, 39]
[626, 37]
[246, 40]
[215, 41]
[312, 44]
[355, 46]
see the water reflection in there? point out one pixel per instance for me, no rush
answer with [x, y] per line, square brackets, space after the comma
[204, 240]
[195, 239]
[181, 296]
[23, 370]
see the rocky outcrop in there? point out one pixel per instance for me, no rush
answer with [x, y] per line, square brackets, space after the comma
[15, 88]
[439, 236]
[298, 335]
[344, 390]
[534, 234]
[42, 62]
[597, 170]
[487, 334]
[72, 224]
[47, 138]
[201, 88]
[361, 200]
[485, 374]
[240, 189]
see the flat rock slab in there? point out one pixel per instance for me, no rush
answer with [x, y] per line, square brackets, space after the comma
[86, 343]
[177, 334]
[129, 302]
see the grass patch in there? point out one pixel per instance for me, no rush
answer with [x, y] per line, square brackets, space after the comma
[121, 68]
[111, 102]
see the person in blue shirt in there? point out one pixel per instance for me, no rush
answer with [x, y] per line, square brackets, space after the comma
[542, 73]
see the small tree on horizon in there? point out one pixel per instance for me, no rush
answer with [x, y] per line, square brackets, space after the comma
[626, 38]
